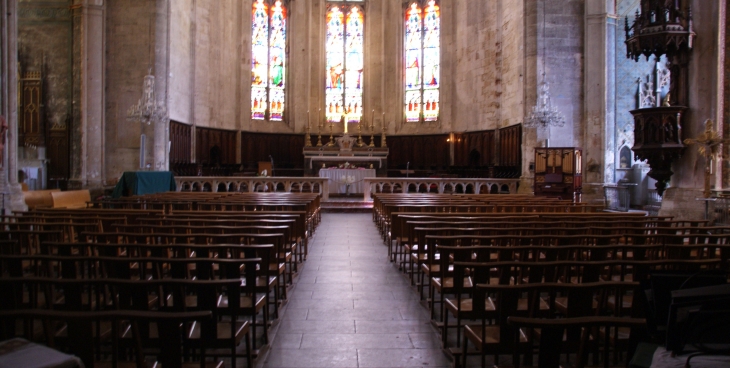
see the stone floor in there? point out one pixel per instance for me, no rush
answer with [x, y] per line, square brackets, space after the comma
[350, 307]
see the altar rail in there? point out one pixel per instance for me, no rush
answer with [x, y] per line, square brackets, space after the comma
[253, 184]
[438, 185]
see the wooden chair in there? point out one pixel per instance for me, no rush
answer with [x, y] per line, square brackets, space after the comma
[552, 332]
[96, 351]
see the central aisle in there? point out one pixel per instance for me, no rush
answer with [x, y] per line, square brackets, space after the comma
[350, 307]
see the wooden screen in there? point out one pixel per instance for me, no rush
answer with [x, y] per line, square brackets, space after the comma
[423, 152]
[180, 142]
[510, 146]
[285, 149]
[215, 146]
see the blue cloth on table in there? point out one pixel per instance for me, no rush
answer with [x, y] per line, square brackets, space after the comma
[144, 182]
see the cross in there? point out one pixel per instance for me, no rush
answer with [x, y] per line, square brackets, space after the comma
[708, 146]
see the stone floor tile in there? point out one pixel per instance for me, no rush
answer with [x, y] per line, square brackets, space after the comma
[351, 307]
[401, 358]
[312, 358]
[359, 341]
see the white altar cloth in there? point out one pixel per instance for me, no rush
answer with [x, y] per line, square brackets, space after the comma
[336, 179]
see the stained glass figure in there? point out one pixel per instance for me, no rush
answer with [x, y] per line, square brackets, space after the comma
[345, 60]
[422, 61]
[268, 60]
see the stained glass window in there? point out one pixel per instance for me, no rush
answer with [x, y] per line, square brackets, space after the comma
[422, 61]
[345, 60]
[268, 60]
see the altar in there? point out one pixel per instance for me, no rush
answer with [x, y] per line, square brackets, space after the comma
[341, 178]
[346, 150]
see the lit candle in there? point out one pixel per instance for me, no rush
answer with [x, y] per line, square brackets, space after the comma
[319, 117]
[382, 124]
[372, 119]
[344, 121]
[308, 126]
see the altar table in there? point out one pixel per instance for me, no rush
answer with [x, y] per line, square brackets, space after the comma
[144, 182]
[336, 178]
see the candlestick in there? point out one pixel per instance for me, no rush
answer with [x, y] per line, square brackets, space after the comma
[307, 138]
[359, 135]
[332, 139]
[319, 135]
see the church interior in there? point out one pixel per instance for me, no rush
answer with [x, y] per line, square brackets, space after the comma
[364, 183]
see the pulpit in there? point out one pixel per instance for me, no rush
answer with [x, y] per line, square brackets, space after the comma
[558, 172]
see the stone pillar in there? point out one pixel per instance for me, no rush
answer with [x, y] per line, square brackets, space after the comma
[12, 195]
[530, 77]
[87, 132]
[161, 66]
[599, 146]
[705, 91]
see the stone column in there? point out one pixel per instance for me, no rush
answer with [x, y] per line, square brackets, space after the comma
[12, 195]
[530, 136]
[599, 146]
[161, 66]
[87, 142]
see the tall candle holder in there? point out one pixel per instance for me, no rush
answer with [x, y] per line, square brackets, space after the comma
[319, 135]
[382, 137]
[372, 130]
[359, 135]
[331, 143]
[307, 139]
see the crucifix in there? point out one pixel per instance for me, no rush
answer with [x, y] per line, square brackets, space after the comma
[708, 146]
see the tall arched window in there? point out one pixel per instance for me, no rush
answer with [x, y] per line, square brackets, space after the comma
[345, 60]
[422, 60]
[268, 60]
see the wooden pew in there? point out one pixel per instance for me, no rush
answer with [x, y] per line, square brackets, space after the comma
[39, 198]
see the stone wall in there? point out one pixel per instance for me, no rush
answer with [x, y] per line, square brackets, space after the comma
[45, 38]
[564, 48]
[130, 53]
[627, 73]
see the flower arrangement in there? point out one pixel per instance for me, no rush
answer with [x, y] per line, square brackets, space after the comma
[347, 180]
[347, 165]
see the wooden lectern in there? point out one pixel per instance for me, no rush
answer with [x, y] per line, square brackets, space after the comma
[265, 165]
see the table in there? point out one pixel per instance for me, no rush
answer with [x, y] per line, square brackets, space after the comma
[19, 352]
[336, 177]
[144, 182]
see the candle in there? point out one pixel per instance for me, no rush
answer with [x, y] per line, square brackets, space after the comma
[382, 124]
[319, 117]
[308, 126]
[344, 121]
[372, 119]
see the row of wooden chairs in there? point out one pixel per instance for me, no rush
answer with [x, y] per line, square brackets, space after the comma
[218, 332]
[506, 277]
[154, 245]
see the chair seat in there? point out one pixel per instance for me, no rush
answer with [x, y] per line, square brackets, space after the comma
[561, 304]
[223, 331]
[448, 283]
[466, 305]
[491, 334]
[246, 302]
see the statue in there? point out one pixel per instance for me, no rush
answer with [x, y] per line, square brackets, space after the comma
[708, 146]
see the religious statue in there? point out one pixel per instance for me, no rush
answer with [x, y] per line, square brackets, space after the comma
[708, 146]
